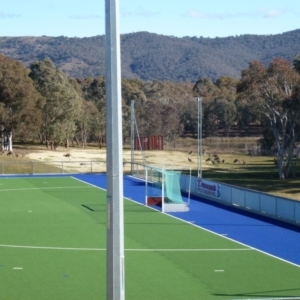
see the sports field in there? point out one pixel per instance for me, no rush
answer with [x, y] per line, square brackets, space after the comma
[53, 246]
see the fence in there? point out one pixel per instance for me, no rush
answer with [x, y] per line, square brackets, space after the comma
[260, 203]
[280, 208]
[53, 167]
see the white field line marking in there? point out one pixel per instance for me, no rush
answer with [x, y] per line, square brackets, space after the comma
[53, 248]
[98, 187]
[188, 250]
[44, 188]
[18, 268]
[134, 250]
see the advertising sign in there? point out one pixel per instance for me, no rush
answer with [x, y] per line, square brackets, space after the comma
[208, 188]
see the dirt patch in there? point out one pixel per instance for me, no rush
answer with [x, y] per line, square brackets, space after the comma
[167, 159]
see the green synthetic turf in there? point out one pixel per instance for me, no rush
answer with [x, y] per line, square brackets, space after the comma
[44, 222]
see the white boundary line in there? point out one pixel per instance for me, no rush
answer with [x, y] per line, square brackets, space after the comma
[53, 248]
[133, 250]
[98, 187]
[43, 188]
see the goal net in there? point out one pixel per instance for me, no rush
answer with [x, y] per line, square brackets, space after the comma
[163, 189]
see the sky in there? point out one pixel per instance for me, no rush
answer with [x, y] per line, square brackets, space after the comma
[206, 18]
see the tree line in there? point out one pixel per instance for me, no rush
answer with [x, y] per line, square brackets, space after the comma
[42, 103]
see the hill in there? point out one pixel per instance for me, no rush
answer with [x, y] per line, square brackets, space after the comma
[151, 56]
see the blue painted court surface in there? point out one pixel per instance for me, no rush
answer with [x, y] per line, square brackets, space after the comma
[270, 236]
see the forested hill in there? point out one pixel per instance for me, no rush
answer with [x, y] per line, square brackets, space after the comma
[151, 56]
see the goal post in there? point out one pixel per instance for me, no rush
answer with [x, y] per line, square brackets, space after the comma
[163, 189]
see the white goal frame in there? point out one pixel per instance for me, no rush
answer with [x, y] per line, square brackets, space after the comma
[165, 206]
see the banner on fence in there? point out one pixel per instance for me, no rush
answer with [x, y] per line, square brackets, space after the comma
[208, 188]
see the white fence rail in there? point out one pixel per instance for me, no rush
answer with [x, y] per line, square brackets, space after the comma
[53, 167]
[280, 208]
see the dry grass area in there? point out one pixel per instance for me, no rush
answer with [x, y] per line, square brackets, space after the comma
[167, 158]
[185, 158]
[177, 159]
[182, 157]
[254, 172]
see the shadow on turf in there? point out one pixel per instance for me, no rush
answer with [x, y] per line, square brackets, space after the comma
[95, 207]
[103, 208]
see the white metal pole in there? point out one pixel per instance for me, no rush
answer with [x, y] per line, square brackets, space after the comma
[201, 137]
[115, 218]
[146, 183]
[163, 192]
[132, 138]
[199, 160]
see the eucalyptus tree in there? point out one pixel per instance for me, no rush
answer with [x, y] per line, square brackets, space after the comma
[148, 118]
[189, 117]
[296, 63]
[225, 110]
[20, 103]
[248, 116]
[276, 91]
[131, 90]
[218, 100]
[63, 103]
[94, 90]
[171, 126]
[89, 122]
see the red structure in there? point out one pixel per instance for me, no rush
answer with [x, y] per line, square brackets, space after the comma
[149, 143]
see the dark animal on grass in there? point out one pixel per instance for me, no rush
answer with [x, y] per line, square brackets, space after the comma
[10, 153]
[223, 161]
[217, 160]
[208, 160]
[190, 152]
[68, 155]
[236, 161]
[189, 160]
[275, 162]
[244, 162]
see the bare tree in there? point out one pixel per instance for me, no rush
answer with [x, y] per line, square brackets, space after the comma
[276, 91]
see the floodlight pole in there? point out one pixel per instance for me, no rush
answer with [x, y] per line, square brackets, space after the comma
[132, 135]
[199, 160]
[114, 152]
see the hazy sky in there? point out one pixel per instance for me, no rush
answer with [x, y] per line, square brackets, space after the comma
[207, 18]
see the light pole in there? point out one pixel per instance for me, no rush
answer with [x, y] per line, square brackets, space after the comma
[115, 285]
[199, 161]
